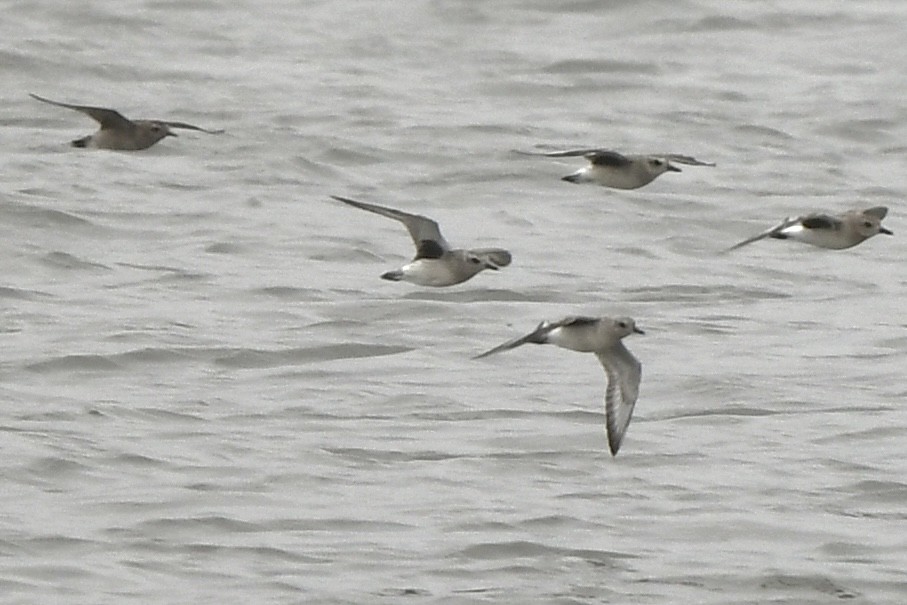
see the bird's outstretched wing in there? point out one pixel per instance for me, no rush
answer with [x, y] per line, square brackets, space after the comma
[604, 157]
[191, 127]
[791, 220]
[537, 336]
[600, 157]
[421, 228]
[623, 372]
[495, 256]
[678, 158]
[107, 118]
[877, 211]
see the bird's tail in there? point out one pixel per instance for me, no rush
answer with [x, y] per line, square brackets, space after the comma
[393, 275]
[576, 177]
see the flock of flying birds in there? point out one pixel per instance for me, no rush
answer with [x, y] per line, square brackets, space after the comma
[437, 264]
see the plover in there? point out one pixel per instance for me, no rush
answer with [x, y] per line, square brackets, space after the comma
[121, 133]
[612, 169]
[435, 263]
[835, 232]
[602, 336]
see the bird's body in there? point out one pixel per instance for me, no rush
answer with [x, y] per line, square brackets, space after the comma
[602, 336]
[435, 264]
[618, 171]
[120, 133]
[834, 232]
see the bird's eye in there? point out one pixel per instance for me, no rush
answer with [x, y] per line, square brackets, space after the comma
[474, 261]
[867, 224]
[622, 325]
[657, 162]
[155, 128]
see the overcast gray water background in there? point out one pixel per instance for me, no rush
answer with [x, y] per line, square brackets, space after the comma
[207, 395]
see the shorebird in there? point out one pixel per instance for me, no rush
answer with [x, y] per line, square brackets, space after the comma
[602, 336]
[612, 169]
[835, 232]
[435, 263]
[121, 133]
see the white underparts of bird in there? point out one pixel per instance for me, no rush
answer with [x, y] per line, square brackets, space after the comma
[602, 336]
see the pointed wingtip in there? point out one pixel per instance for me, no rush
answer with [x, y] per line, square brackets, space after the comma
[512, 344]
[490, 352]
[613, 442]
[879, 212]
[352, 202]
[761, 236]
[40, 98]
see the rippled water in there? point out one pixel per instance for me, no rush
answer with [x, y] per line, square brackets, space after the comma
[209, 396]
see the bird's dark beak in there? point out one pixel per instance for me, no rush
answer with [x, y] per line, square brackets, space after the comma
[885, 231]
[637, 330]
[491, 266]
[673, 168]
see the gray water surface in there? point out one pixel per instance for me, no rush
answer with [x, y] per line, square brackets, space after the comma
[208, 395]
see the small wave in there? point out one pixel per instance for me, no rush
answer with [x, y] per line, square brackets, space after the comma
[724, 411]
[527, 549]
[169, 274]
[78, 363]
[486, 295]
[252, 358]
[716, 23]
[291, 293]
[868, 130]
[575, 66]
[386, 456]
[64, 260]
[225, 248]
[346, 251]
[788, 584]
[881, 491]
[403, 592]
[215, 523]
[16, 293]
[764, 132]
[55, 467]
[36, 216]
[150, 355]
[684, 293]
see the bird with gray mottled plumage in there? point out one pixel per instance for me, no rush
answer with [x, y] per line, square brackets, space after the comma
[436, 264]
[602, 336]
[835, 232]
[612, 169]
[120, 133]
